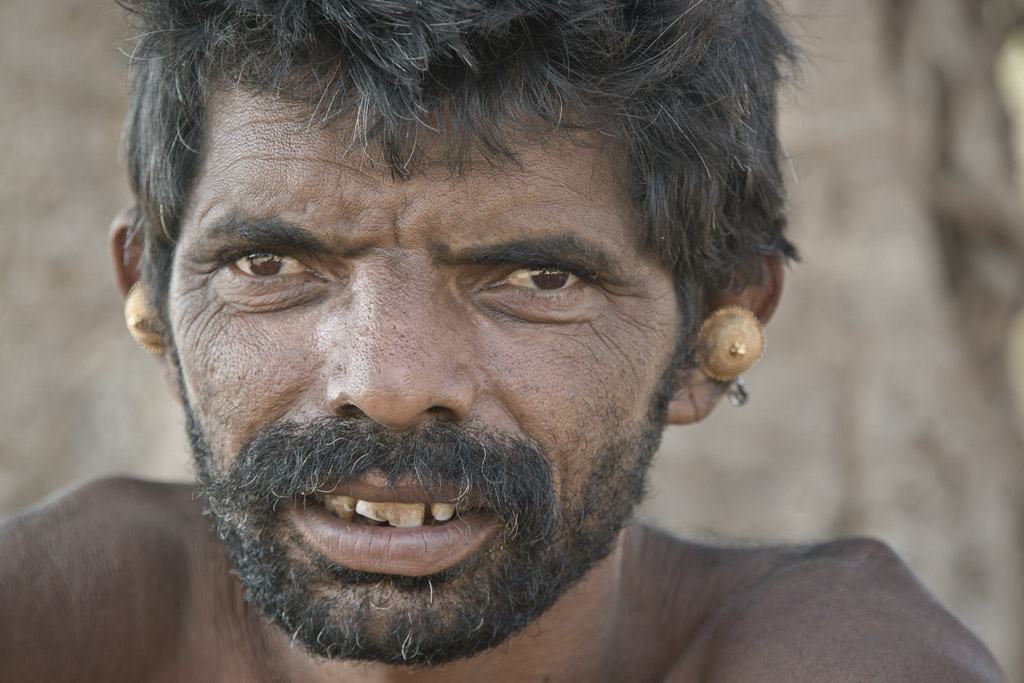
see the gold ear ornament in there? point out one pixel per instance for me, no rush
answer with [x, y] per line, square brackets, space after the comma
[143, 322]
[730, 342]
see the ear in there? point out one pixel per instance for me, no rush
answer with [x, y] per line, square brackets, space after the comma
[126, 255]
[126, 248]
[700, 394]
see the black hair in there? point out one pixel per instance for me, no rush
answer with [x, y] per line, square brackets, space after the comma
[683, 92]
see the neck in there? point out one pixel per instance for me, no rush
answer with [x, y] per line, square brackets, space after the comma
[571, 641]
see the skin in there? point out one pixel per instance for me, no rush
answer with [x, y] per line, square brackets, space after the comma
[383, 308]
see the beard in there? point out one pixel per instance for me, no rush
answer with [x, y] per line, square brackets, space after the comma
[546, 541]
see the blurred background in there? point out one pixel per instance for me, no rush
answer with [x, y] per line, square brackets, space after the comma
[888, 403]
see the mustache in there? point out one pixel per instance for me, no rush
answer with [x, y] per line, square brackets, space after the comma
[290, 461]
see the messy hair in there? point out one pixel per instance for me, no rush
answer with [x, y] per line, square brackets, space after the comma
[683, 92]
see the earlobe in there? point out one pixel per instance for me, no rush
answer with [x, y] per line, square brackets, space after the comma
[695, 400]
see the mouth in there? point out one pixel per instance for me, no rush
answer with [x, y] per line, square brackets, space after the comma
[392, 530]
[395, 514]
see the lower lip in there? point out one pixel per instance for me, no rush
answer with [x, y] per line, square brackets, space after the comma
[416, 551]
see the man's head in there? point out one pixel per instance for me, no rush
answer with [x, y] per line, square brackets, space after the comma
[419, 254]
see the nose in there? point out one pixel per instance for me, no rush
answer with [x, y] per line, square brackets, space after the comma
[397, 355]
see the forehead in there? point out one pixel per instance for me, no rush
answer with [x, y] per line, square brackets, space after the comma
[266, 159]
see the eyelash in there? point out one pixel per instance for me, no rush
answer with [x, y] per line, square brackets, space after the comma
[551, 296]
[228, 258]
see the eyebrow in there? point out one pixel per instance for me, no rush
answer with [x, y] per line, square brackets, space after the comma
[552, 251]
[265, 232]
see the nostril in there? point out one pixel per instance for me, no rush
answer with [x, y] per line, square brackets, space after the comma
[348, 410]
[442, 413]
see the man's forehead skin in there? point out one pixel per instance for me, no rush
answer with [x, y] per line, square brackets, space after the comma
[333, 186]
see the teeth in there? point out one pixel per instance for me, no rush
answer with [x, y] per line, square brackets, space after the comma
[442, 512]
[343, 506]
[370, 510]
[395, 514]
[405, 514]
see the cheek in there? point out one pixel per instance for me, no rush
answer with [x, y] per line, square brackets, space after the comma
[241, 372]
[574, 389]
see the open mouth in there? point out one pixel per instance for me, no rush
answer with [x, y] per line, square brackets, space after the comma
[401, 515]
[392, 537]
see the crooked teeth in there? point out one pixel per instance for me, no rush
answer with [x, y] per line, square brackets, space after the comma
[442, 512]
[395, 514]
[405, 515]
[343, 506]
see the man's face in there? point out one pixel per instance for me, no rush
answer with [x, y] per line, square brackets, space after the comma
[492, 341]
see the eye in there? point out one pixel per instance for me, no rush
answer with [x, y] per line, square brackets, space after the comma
[268, 265]
[547, 279]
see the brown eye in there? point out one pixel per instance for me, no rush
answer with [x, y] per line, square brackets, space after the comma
[546, 279]
[267, 265]
[549, 279]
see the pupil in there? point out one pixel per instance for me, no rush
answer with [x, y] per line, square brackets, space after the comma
[550, 279]
[264, 264]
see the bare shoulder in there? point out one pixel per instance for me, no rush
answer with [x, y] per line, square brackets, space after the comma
[104, 563]
[847, 610]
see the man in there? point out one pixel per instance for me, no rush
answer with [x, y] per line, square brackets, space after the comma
[429, 279]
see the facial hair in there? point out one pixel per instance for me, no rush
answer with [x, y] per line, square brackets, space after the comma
[545, 543]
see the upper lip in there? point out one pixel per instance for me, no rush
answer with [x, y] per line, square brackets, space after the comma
[375, 487]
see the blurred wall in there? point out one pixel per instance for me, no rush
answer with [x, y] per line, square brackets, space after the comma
[78, 397]
[882, 407]
[866, 416]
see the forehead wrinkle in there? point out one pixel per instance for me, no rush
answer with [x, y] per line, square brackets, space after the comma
[292, 127]
[336, 188]
[233, 102]
[247, 183]
[276, 131]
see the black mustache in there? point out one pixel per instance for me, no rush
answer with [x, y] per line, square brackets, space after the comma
[290, 460]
